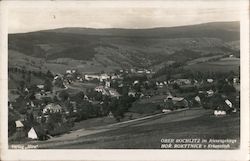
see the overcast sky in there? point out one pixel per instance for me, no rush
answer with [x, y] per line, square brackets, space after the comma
[40, 16]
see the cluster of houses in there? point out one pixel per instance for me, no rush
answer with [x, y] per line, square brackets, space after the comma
[34, 133]
[107, 91]
[42, 111]
[175, 102]
[105, 76]
[172, 103]
[141, 71]
[101, 77]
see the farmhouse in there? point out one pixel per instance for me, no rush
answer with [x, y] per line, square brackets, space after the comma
[159, 84]
[229, 103]
[140, 71]
[32, 134]
[220, 112]
[37, 133]
[210, 80]
[41, 95]
[91, 77]
[19, 124]
[69, 71]
[197, 99]
[113, 77]
[107, 91]
[102, 89]
[176, 102]
[52, 108]
[20, 133]
[40, 86]
[148, 71]
[135, 82]
[180, 102]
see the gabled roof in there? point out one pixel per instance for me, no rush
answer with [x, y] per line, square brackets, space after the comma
[38, 130]
[19, 123]
[32, 134]
[229, 103]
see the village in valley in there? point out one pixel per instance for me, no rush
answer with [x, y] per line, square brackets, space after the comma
[62, 101]
[124, 88]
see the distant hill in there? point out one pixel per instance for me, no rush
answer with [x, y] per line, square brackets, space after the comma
[227, 31]
[106, 49]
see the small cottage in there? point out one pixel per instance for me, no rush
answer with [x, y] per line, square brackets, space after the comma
[37, 133]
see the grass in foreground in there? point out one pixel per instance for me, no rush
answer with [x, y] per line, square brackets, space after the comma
[149, 136]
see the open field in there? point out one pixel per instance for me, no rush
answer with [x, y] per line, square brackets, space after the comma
[195, 123]
[204, 59]
[103, 121]
[20, 60]
[223, 65]
[149, 136]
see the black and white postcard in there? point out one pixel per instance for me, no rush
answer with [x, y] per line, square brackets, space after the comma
[97, 80]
